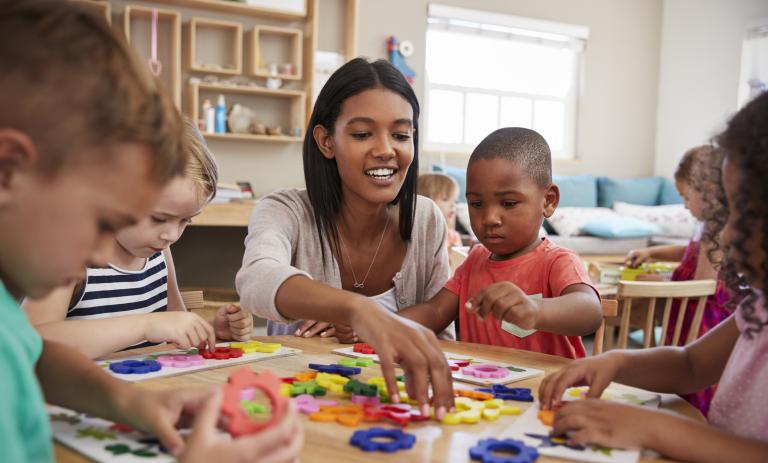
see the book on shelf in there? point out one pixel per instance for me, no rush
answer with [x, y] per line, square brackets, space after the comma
[229, 192]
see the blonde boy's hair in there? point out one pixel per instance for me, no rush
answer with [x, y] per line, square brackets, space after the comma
[75, 88]
[201, 166]
[437, 186]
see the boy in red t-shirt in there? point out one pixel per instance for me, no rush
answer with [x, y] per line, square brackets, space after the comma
[516, 289]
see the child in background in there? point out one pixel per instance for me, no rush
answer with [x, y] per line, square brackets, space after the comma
[444, 191]
[135, 301]
[66, 185]
[734, 353]
[515, 276]
[698, 179]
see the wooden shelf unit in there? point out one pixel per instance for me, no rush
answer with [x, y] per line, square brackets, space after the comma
[259, 68]
[170, 75]
[235, 47]
[98, 6]
[231, 7]
[296, 110]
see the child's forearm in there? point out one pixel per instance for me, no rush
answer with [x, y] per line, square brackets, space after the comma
[97, 337]
[681, 438]
[672, 252]
[572, 314]
[71, 380]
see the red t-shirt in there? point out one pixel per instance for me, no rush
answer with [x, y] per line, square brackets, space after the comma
[546, 271]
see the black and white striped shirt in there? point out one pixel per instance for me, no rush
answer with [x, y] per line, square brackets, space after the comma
[112, 291]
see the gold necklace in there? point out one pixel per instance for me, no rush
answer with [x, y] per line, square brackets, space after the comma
[361, 284]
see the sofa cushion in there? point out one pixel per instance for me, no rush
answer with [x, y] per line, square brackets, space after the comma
[618, 227]
[644, 191]
[669, 194]
[673, 220]
[567, 221]
[457, 173]
[577, 190]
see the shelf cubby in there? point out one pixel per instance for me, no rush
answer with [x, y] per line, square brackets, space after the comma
[278, 45]
[137, 25]
[215, 46]
[269, 106]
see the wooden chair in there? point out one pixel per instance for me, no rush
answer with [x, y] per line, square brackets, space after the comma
[193, 299]
[630, 292]
[610, 309]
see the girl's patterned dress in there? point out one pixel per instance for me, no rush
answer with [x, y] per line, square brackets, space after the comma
[715, 311]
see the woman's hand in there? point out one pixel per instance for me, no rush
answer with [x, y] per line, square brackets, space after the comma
[311, 328]
[595, 372]
[184, 329]
[233, 323]
[414, 347]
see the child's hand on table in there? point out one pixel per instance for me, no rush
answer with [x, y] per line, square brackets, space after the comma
[595, 372]
[505, 301]
[233, 323]
[604, 423]
[184, 329]
[636, 257]
[277, 444]
[346, 335]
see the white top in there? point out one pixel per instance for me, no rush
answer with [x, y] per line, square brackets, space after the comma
[387, 299]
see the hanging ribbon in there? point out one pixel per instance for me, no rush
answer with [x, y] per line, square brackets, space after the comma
[155, 66]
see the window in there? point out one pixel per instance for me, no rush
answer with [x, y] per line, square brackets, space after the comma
[487, 70]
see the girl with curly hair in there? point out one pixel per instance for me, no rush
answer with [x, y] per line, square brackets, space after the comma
[698, 178]
[734, 353]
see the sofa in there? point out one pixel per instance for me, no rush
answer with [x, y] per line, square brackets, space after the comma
[602, 215]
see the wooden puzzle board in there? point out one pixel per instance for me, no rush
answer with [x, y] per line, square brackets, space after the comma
[206, 365]
[93, 437]
[517, 373]
[528, 423]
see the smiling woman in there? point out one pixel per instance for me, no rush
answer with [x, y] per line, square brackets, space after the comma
[358, 244]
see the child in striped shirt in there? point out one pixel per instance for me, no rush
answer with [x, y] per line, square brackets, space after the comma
[135, 302]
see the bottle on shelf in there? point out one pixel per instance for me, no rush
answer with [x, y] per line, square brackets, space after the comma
[209, 116]
[221, 115]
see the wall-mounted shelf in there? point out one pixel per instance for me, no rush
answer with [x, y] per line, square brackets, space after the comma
[137, 24]
[231, 7]
[100, 7]
[286, 48]
[223, 53]
[281, 107]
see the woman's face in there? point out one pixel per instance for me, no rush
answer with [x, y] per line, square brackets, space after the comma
[372, 143]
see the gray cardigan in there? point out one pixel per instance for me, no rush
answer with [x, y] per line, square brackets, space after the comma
[283, 241]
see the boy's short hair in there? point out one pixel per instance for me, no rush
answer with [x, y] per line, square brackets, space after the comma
[201, 166]
[75, 88]
[437, 186]
[525, 147]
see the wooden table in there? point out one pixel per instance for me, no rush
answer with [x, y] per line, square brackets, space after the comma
[329, 442]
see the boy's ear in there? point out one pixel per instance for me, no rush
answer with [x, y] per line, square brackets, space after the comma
[17, 152]
[551, 200]
[324, 141]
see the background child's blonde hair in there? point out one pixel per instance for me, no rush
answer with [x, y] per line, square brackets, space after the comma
[437, 186]
[201, 166]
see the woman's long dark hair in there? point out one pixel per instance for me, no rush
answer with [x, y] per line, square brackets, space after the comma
[745, 142]
[321, 174]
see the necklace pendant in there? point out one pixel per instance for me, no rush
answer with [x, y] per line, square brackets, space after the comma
[358, 285]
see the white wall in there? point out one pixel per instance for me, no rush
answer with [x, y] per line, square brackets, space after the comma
[699, 72]
[617, 111]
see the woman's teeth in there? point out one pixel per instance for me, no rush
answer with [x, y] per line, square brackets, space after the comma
[380, 174]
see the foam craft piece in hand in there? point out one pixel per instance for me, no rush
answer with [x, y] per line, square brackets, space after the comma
[239, 423]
